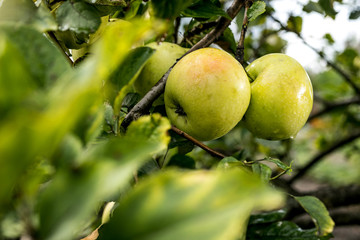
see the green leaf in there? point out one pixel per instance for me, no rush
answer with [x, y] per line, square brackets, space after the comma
[329, 38]
[126, 72]
[25, 12]
[295, 23]
[256, 9]
[262, 170]
[105, 170]
[327, 6]
[282, 231]
[267, 217]
[169, 9]
[204, 9]
[313, 7]
[39, 130]
[78, 17]
[156, 128]
[355, 14]
[228, 162]
[133, 9]
[279, 163]
[45, 61]
[181, 205]
[227, 41]
[319, 214]
[182, 161]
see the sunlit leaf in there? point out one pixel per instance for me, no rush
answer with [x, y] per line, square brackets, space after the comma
[156, 128]
[319, 214]
[190, 205]
[103, 171]
[256, 9]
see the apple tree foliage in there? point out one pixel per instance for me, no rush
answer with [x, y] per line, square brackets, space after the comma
[64, 154]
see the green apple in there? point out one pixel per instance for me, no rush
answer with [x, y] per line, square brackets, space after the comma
[281, 97]
[157, 65]
[207, 93]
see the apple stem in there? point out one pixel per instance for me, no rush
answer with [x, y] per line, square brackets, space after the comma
[212, 152]
[239, 55]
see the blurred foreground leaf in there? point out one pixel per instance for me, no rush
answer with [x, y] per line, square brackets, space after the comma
[190, 205]
[105, 169]
[25, 12]
[45, 62]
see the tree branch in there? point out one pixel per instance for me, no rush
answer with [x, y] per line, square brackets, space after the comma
[212, 152]
[145, 103]
[176, 29]
[320, 155]
[239, 55]
[334, 106]
[345, 75]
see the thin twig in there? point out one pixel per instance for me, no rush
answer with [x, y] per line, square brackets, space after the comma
[176, 29]
[240, 48]
[334, 106]
[145, 103]
[212, 152]
[301, 172]
[345, 75]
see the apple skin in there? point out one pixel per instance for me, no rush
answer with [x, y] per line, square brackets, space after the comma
[281, 97]
[157, 65]
[207, 93]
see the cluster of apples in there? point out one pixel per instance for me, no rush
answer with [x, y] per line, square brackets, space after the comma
[208, 92]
